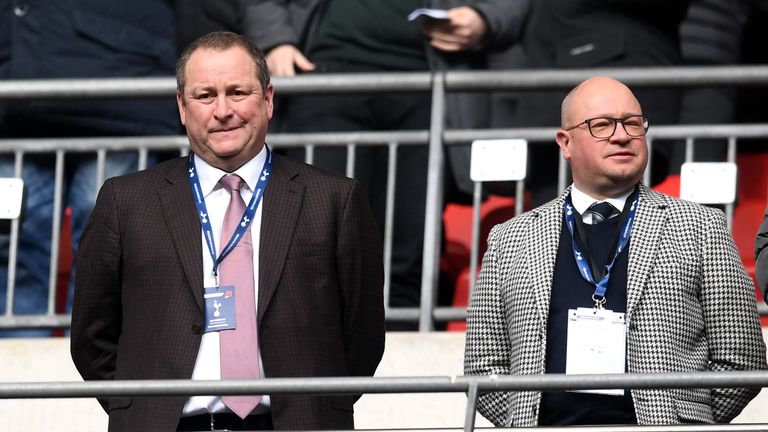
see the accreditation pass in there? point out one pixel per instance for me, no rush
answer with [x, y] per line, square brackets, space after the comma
[596, 344]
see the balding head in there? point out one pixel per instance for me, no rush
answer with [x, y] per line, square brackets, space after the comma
[592, 91]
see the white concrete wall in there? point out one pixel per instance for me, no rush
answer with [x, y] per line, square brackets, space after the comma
[407, 354]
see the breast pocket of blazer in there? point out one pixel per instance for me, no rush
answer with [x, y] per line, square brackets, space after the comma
[307, 249]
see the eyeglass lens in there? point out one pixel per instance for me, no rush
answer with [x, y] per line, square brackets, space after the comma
[604, 127]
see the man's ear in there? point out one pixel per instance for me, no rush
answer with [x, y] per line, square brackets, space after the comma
[182, 108]
[269, 98]
[563, 139]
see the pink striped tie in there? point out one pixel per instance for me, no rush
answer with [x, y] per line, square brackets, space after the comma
[239, 347]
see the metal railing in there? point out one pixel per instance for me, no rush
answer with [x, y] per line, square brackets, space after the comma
[435, 138]
[472, 386]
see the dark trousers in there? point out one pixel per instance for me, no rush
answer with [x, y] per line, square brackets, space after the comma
[368, 112]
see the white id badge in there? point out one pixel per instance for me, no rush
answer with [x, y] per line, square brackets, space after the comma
[596, 344]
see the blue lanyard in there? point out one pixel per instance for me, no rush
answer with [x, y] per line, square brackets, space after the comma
[248, 215]
[626, 231]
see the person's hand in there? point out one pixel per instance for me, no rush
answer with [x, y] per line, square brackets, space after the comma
[283, 60]
[463, 30]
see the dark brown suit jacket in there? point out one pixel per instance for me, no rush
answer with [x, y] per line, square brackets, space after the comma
[138, 311]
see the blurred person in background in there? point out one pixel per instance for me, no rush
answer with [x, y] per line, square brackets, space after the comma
[710, 35]
[373, 36]
[41, 39]
[575, 34]
[761, 256]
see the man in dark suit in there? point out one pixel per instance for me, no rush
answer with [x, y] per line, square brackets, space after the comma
[655, 285]
[147, 257]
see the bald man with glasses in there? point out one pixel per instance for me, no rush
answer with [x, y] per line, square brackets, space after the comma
[612, 277]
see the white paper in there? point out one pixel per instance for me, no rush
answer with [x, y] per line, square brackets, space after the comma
[498, 160]
[438, 14]
[708, 182]
[11, 195]
[596, 344]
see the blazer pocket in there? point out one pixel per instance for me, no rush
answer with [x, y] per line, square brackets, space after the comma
[589, 50]
[307, 250]
[693, 412]
[118, 403]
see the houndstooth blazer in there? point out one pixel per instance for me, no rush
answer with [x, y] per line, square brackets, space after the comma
[690, 307]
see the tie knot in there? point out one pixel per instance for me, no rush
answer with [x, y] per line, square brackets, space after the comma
[601, 211]
[231, 182]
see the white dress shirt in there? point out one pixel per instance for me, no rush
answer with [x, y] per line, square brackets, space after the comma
[581, 202]
[207, 365]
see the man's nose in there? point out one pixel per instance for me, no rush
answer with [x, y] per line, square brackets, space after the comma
[222, 109]
[620, 134]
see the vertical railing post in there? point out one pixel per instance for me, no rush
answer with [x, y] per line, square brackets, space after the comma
[731, 157]
[647, 173]
[389, 220]
[562, 174]
[434, 205]
[58, 192]
[477, 202]
[469, 419]
[18, 165]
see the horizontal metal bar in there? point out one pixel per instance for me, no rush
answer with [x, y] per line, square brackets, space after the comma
[634, 77]
[356, 385]
[440, 314]
[353, 83]
[88, 88]
[90, 144]
[401, 314]
[490, 80]
[35, 321]
[343, 138]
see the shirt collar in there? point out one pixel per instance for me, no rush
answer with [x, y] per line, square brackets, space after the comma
[581, 201]
[209, 175]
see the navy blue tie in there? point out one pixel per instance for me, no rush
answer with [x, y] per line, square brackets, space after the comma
[601, 212]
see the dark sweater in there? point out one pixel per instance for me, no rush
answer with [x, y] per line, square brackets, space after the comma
[570, 291]
[372, 33]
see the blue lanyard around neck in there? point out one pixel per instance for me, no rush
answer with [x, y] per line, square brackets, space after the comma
[248, 215]
[581, 261]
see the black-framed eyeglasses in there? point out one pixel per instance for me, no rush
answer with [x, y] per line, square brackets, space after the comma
[605, 127]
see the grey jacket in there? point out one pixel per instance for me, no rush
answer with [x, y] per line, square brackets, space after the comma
[270, 23]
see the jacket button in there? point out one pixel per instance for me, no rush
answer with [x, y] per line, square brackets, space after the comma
[21, 11]
[196, 329]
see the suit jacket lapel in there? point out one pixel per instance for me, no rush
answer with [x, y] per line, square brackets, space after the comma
[651, 220]
[542, 244]
[184, 226]
[282, 203]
